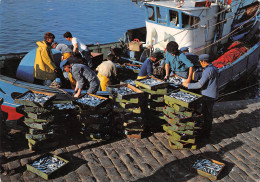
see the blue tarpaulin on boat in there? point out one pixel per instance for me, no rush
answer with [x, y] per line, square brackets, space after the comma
[26, 66]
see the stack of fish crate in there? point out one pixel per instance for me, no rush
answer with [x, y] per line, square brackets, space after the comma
[128, 106]
[184, 122]
[155, 89]
[95, 116]
[44, 117]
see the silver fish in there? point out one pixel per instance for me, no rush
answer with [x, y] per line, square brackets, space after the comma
[34, 97]
[207, 166]
[123, 91]
[184, 96]
[90, 100]
[64, 106]
[151, 82]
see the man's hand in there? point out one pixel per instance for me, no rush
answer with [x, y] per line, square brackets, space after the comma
[76, 95]
[166, 77]
[186, 83]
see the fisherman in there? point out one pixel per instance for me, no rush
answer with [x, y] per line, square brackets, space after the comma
[83, 75]
[79, 48]
[179, 63]
[209, 89]
[64, 49]
[147, 67]
[44, 66]
[107, 72]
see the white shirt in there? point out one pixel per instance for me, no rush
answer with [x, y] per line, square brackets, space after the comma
[81, 46]
[107, 68]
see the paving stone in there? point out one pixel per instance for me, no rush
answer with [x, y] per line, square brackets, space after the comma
[235, 176]
[25, 161]
[186, 153]
[14, 164]
[99, 173]
[99, 152]
[15, 177]
[29, 176]
[87, 178]
[147, 156]
[211, 148]
[72, 176]
[91, 159]
[158, 156]
[106, 162]
[134, 154]
[72, 148]
[243, 166]
[5, 178]
[227, 179]
[122, 169]
[84, 170]
[240, 172]
[114, 175]
[112, 154]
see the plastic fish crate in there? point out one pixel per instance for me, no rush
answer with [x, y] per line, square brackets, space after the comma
[171, 101]
[163, 84]
[18, 99]
[42, 174]
[86, 106]
[138, 93]
[206, 174]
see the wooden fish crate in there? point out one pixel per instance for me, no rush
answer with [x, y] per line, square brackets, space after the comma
[45, 116]
[37, 109]
[159, 91]
[138, 93]
[42, 136]
[18, 99]
[134, 134]
[183, 113]
[171, 101]
[128, 106]
[206, 174]
[173, 122]
[178, 135]
[129, 101]
[43, 174]
[188, 146]
[89, 107]
[38, 126]
[190, 140]
[151, 87]
[31, 120]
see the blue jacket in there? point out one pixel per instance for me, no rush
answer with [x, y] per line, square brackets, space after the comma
[147, 68]
[85, 77]
[208, 82]
[179, 62]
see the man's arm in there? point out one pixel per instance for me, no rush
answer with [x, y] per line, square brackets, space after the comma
[167, 69]
[190, 75]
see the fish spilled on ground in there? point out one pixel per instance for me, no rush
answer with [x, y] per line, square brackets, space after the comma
[207, 166]
[34, 97]
[90, 100]
[184, 96]
[48, 164]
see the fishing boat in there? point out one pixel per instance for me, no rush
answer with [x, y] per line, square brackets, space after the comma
[221, 28]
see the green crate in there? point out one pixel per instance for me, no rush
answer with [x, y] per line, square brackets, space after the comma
[171, 101]
[205, 174]
[172, 121]
[48, 117]
[42, 174]
[128, 106]
[129, 101]
[177, 134]
[183, 113]
[172, 138]
[30, 120]
[155, 92]
[188, 146]
[37, 109]
[158, 99]
[43, 136]
[179, 108]
[38, 126]
[153, 87]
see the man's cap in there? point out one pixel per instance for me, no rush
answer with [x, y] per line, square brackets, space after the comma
[63, 63]
[184, 49]
[204, 57]
[154, 54]
[54, 43]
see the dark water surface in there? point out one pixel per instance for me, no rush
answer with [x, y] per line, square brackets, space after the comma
[23, 22]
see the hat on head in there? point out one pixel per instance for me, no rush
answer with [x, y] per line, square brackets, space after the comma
[54, 43]
[63, 63]
[204, 57]
[184, 49]
[154, 54]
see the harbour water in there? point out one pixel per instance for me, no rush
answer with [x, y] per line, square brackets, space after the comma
[24, 22]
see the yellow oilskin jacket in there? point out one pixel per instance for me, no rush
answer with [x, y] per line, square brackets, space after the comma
[44, 65]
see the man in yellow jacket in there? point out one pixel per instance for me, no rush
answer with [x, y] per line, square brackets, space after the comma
[44, 67]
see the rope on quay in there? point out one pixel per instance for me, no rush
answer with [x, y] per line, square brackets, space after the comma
[223, 95]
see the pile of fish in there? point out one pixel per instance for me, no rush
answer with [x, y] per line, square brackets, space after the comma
[90, 100]
[34, 97]
[175, 80]
[132, 67]
[65, 106]
[123, 91]
[207, 166]
[183, 96]
[151, 81]
[131, 82]
[48, 164]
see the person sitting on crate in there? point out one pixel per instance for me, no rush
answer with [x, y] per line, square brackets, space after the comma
[64, 49]
[147, 68]
[106, 72]
[179, 63]
[79, 49]
[209, 89]
[83, 75]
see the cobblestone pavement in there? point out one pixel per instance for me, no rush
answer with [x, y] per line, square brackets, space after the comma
[235, 141]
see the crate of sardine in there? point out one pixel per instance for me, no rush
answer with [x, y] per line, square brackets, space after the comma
[151, 83]
[47, 165]
[125, 91]
[64, 107]
[35, 98]
[208, 167]
[91, 101]
[135, 67]
[183, 98]
[175, 80]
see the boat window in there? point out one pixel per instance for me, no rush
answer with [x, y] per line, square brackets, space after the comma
[162, 15]
[174, 19]
[188, 21]
[150, 13]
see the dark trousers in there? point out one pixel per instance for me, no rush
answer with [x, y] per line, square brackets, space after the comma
[207, 108]
[87, 58]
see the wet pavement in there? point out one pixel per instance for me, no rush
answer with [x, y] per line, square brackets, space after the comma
[234, 141]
